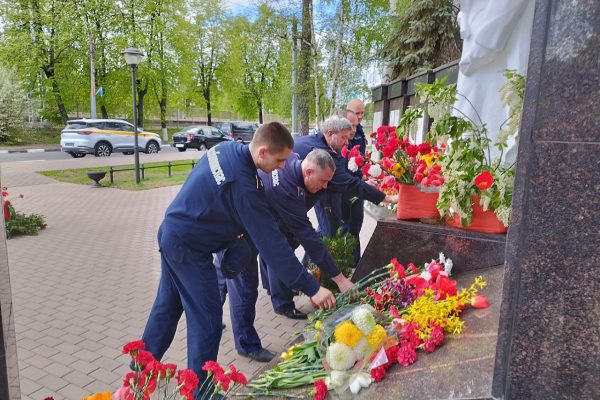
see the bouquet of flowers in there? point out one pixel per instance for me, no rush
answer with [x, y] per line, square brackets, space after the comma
[153, 379]
[471, 177]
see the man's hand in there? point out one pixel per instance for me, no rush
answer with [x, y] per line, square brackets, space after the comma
[343, 283]
[323, 298]
[391, 199]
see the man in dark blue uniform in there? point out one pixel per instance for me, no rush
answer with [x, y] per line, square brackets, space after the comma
[355, 206]
[291, 192]
[222, 200]
[344, 184]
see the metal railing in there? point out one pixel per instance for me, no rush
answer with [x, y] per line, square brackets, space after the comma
[143, 169]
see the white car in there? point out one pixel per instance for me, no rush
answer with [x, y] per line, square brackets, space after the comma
[102, 137]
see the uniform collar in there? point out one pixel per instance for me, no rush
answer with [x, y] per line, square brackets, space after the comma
[248, 155]
[299, 178]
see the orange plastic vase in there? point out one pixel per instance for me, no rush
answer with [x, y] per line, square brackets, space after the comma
[482, 221]
[414, 204]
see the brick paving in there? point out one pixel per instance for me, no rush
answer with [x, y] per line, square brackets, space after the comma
[84, 286]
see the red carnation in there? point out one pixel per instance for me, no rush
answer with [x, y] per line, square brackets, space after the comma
[484, 180]
[406, 355]
[437, 335]
[392, 355]
[134, 346]
[411, 267]
[378, 373]
[130, 379]
[429, 346]
[320, 390]
[212, 366]
[398, 269]
[144, 358]
[188, 381]
[170, 370]
[365, 169]
[424, 148]
[236, 376]
[344, 150]
[444, 287]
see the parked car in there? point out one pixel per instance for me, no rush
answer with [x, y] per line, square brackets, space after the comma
[237, 130]
[102, 137]
[198, 137]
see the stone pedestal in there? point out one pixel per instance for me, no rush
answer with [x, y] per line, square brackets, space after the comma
[548, 344]
[9, 371]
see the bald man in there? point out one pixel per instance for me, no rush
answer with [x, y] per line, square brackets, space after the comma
[353, 209]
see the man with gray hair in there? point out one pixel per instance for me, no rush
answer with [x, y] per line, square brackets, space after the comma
[336, 131]
[291, 193]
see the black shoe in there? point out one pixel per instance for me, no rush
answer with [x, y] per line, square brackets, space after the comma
[262, 355]
[292, 313]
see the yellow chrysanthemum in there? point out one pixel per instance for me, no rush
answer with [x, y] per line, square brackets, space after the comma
[347, 333]
[318, 325]
[377, 337]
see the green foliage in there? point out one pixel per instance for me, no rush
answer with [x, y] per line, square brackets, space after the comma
[341, 248]
[24, 224]
[468, 153]
[425, 35]
[12, 103]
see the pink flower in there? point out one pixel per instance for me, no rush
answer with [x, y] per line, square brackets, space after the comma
[479, 301]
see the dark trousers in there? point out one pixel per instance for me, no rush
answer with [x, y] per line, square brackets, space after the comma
[188, 283]
[243, 293]
[354, 222]
[282, 297]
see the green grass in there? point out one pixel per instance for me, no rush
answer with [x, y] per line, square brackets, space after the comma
[30, 136]
[153, 178]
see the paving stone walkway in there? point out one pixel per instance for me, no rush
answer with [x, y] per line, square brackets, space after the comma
[84, 286]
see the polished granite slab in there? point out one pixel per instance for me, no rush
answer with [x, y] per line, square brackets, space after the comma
[463, 367]
[419, 243]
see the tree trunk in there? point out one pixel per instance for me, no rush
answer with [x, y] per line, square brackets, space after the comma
[62, 110]
[104, 111]
[59, 101]
[304, 69]
[316, 71]
[260, 111]
[206, 93]
[338, 56]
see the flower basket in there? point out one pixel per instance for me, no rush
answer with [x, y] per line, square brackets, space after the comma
[415, 204]
[482, 221]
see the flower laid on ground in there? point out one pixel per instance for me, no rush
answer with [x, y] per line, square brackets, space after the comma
[166, 381]
[18, 223]
[398, 312]
[320, 390]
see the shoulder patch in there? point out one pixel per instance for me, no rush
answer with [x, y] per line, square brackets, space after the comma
[275, 177]
[215, 167]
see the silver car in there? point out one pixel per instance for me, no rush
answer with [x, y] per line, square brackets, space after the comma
[102, 137]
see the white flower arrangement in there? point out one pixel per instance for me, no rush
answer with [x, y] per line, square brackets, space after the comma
[364, 320]
[340, 357]
[362, 349]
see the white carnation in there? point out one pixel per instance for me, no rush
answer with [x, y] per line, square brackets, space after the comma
[426, 275]
[364, 320]
[375, 170]
[340, 357]
[442, 258]
[352, 165]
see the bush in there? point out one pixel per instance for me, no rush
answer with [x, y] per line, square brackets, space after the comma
[22, 224]
[13, 101]
[341, 247]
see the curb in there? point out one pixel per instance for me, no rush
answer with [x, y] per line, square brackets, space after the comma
[27, 151]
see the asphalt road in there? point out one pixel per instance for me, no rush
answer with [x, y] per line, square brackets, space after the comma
[57, 155]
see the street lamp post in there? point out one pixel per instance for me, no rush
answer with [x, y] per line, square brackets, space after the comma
[133, 57]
